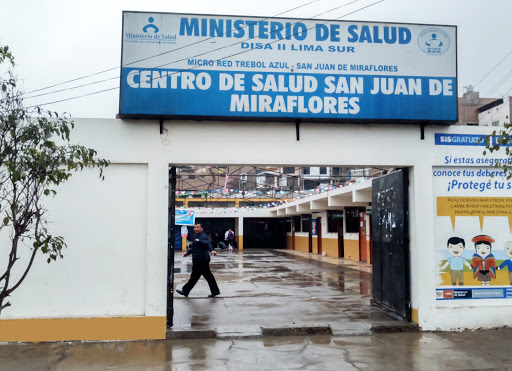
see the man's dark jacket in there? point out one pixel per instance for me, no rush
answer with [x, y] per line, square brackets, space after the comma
[200, 248]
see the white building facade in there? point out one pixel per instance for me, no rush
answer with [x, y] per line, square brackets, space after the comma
[112, 282]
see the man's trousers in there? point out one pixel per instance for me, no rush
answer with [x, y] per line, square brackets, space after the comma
[201, 269]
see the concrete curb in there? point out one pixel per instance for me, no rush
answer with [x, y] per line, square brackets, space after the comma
[396, 327]
[297, 330]
[255, 332]
[238, 332]
[190, 334]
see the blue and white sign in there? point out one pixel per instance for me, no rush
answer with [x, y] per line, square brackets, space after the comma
[459, 140]
[213, 67]
[184, 217]
[466, 140]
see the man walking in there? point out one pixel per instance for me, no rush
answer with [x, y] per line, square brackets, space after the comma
[230, 238]
[200, 249]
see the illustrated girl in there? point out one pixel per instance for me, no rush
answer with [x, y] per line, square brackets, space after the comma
[484, 263]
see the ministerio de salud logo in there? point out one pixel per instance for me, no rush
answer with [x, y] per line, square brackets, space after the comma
[434, 41]
[150, 26]
[150, 34]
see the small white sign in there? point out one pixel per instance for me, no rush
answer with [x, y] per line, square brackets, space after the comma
[184, 231]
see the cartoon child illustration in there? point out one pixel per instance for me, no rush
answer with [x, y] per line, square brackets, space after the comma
[508, 263]
[484, 264]
[455, 246]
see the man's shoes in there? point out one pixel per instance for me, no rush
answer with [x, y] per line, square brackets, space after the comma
[213, 295]
[181, 292]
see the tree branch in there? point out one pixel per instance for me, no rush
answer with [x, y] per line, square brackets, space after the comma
[25, 273]
[8, 304]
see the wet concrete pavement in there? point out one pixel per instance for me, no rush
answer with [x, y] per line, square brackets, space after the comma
[278, 294]
[273, 292]
[470, 350]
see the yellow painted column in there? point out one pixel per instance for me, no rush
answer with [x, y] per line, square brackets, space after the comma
[184, 243]
[240, 233]
[351, 248]
[414, 315]
[240, 242]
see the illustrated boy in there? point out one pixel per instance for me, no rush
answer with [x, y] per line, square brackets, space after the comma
[455, 246]
[508, 263]
[484, 263]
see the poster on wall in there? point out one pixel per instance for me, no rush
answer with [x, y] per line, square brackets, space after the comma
[314, 228]
[473, 231]
[184, 217]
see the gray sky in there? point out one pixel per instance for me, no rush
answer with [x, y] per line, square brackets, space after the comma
[54, 41]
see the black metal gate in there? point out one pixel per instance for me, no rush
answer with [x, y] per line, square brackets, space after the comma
[391, 287]
[170, 246]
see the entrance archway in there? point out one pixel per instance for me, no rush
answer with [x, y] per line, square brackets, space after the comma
[257, 232]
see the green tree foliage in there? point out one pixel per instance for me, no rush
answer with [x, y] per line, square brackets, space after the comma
[501, 141]
[36, 155]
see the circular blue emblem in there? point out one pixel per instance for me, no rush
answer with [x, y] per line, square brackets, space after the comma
[434, 41]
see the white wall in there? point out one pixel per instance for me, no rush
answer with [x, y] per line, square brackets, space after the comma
[450, 314]
[117, 230]
[103, 272]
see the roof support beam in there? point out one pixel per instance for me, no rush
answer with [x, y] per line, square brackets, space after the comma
[304, 208]
[319, 205]
[363, 195]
